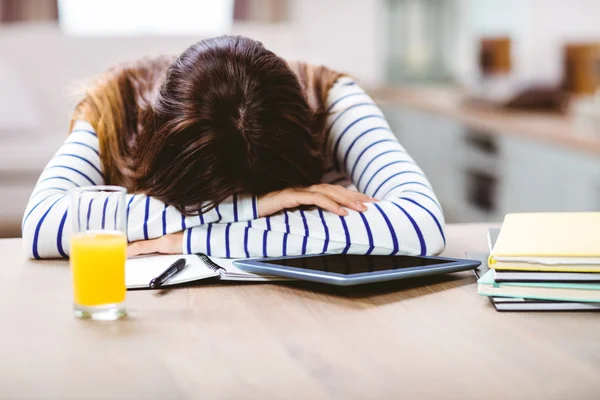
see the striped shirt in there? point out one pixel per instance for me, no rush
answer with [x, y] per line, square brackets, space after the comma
[366, 155]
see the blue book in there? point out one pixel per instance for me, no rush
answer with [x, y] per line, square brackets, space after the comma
[527, 304]
[567, 291]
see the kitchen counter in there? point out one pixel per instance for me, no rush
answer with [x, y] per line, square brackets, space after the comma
[561, 130]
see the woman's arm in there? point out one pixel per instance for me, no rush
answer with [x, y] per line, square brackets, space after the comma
[46, 223]
[407, 220]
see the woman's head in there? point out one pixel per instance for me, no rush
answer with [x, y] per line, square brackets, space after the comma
[227, 116]
[230, 117]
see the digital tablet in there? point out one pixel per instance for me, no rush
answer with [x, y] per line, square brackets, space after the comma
[347, 270]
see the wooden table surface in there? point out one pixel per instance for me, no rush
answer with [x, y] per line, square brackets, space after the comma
[432, 339]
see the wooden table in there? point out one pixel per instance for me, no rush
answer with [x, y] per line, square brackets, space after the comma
[431, 339]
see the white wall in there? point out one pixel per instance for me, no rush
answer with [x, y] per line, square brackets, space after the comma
[539, 28]
[551, 23]
[349, 35]
[344, 34]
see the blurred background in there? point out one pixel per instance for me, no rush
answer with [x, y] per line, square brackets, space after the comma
[495, 99]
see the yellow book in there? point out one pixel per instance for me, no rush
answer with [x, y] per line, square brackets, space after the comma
[548, 242]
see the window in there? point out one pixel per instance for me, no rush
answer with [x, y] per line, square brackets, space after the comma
[145, 17]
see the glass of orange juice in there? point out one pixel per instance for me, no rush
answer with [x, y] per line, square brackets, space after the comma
[98, 251]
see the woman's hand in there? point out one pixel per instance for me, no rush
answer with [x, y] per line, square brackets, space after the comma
[328, 197]
[168, 244]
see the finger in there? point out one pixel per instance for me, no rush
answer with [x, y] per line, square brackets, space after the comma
[324, 187]
[358, 196]
[320, 200]
[348, 198]
[143, 247]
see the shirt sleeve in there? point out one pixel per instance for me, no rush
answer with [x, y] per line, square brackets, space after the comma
[46, 223]
[407, 219]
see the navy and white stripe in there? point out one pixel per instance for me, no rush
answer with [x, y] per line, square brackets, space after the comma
[367, 156]
[47, 224]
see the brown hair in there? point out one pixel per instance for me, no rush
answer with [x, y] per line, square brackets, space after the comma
[227, 116]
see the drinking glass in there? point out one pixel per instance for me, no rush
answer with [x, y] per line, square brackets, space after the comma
[98, 251]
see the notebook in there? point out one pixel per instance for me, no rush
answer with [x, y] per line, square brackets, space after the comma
[139, 271]
[541, 276]
[548, 242]
[578, 292]
[520, 303]
[501, 275]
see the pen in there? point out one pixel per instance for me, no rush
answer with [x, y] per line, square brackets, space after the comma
[175, 268]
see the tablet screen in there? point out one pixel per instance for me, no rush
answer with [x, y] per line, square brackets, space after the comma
[355, 264]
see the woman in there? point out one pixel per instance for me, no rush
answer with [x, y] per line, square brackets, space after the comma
[224, 147]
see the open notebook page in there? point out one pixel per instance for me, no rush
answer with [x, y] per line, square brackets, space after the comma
[139, 271]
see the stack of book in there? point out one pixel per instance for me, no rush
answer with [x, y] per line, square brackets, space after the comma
[544, 261]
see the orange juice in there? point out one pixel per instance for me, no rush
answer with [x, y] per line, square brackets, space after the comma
[98, 266]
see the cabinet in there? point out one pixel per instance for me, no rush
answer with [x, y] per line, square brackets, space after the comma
[479, 176]
[541, 177]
